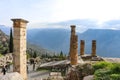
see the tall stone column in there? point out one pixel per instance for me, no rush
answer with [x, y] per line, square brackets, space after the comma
[73, 46]
[19, 53]
[93, 48]
[82, 47]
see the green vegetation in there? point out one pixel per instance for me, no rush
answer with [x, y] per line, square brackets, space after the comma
[1, 55]
[28, 56]
[56, 57]
[107, 71]
[102, 65]
[44, 69]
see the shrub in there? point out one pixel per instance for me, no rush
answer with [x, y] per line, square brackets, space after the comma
[102, 74]
[43, 69]
[116, 68]
[102, 65]
[115, 76]
[107, 71]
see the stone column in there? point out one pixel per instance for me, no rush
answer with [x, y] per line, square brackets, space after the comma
[19, 53]
[93, 48]
[82, 47]
[73, 46]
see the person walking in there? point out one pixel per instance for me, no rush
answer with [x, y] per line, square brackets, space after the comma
[27, 69]
[4, 70]
[33, 66]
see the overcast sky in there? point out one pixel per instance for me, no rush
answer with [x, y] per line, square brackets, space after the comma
[47, 11]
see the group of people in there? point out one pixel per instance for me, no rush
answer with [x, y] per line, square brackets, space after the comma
[5, 68]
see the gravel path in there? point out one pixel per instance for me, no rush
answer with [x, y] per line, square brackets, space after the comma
[37, 75]
[32, 75]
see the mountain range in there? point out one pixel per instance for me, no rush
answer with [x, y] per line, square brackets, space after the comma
[58, 39]
[4, 43]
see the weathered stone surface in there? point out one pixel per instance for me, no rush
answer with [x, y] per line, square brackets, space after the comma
[73, 46]
[11, 76]
[55, 76]
[90, 77]
[93, 48]
[19, 58]
[82, 47]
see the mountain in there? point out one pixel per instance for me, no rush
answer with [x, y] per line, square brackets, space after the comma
[107, 41]
[5, 29]
[52, 39]
[4, 43]
[58, 39]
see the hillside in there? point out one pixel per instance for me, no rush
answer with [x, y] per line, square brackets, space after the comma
[4, 43]
[4, 39]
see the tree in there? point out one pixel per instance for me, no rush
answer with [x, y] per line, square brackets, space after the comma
[11, 42]
[35, 54]
[61, 54]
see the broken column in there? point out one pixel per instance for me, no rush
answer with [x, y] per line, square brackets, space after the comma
[19, 53]
[82, 47]
[73, 46]
[93, 48]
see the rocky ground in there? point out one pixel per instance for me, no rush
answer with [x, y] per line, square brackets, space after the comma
[114, 60]
[39, 75]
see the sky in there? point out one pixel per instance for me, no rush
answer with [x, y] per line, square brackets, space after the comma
[44, 12]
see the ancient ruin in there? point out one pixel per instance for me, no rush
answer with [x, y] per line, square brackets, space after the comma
[82, 47]
[93, 48]
[6, 59]
[73, 46]
[19, 53]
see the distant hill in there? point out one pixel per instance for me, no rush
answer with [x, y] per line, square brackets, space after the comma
[108, 41]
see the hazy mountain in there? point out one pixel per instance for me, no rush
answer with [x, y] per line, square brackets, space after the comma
[5, 29]
[107, 41]
[4, 42]
[58, 39]
[53, 39]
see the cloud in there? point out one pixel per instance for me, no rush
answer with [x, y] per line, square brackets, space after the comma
[112, 24]
[81, 25]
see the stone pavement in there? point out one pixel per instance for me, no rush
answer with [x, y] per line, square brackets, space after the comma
[37, 75]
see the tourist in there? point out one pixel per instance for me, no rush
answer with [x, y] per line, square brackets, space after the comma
[6, 67]
[33, 66]
[27, 69]
[4, 70]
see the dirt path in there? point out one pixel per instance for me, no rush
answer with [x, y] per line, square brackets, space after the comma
[32, 74]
